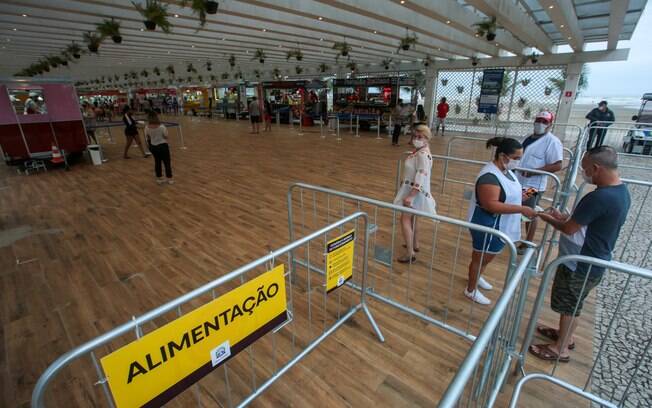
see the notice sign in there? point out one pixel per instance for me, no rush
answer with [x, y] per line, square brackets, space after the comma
[339, 260]
[492, 86]
[155, 368]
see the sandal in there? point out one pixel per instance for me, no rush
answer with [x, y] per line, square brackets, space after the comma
[415, 249]
[546, 353]
[552, 334]
[405, 259]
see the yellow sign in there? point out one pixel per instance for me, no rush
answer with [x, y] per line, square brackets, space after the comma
[155, 368]
[339, 260]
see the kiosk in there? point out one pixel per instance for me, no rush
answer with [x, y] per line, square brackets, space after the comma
[285, 97]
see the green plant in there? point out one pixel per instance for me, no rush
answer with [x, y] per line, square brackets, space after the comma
[527, 113]
[93, 41]
[209, 66]
[212, 77]
[560, 83]
[323, 67]
[343, 48]
[460, 89]
[257, 73]
[386, 62]
[190, 68]
[427, 61]
[110, 28]
[74, 50]
[276, 72]
[260, 55]
[170, 70]
[525, 82]
[232, 60]
[296, 53]
[155, 14]
[521, 102]
[352, 66]
[407, 41]
[144, 73]
[444, 82]
[198, 7]
[475, 61]
[298, 69]
[54, 61]
[488, 27]
[458, 108]
[133, 74]
[156, 71]
[225, 75]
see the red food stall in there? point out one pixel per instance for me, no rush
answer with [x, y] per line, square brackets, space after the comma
[36, 115]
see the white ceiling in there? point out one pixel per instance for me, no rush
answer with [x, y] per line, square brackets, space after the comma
[373, 27]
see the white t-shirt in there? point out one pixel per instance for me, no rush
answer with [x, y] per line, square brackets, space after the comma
[544, 151]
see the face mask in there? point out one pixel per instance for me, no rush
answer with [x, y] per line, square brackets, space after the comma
[513, 164]
[539, 128]
[586, 177]
[419, 143]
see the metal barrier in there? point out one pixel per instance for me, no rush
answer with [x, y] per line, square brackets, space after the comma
[309, 322]
[109, 125]
[484, 369]
[562, 384]
[622, 351]
[422, 289]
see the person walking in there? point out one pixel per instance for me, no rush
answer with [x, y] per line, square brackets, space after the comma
[542, 151]
[401, 116]
[442, 112]
[415, 190]
[267, 115]
[591, 230]
[599, 119]
[254, 115]
[90, 121]
[156, 135]
[496, 203]
[131, 132]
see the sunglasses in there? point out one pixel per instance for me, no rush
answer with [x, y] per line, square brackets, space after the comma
[542, 120]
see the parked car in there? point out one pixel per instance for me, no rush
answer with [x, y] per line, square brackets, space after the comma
[639, 139]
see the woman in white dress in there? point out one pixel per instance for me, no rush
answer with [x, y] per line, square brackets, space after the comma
[415, 190]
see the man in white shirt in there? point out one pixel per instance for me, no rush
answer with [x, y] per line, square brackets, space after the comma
[541, 151]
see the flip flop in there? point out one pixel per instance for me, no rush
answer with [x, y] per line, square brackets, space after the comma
[551, 333]
[405, 259]
[546, 353]
[415, 249]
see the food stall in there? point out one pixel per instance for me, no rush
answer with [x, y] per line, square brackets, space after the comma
[36, 115]
[285, 96]
[159, 97]
[194, 99]
[227, 97]
[113, 98]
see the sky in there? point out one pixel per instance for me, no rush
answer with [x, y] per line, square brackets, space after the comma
[626, 78]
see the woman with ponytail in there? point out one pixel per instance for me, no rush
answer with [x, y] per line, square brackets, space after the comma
[496, 203]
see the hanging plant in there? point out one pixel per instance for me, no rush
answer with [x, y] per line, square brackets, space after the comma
[116, 77]
[170, 70]
[209, 66]
[460, 89]
[352, 66]
[534, 57]
[190, 68]
[323, 67]
[521, 102]
[134, 74]
[474, 61]
[407, 41]
[93, 41]
[477, 101]
[110, 28]
[547, 91]
[296, 53]
[257, 73]
[126, 76]
[201, 8]
[189, 79]
[232, 61]
[54, 61]
[475, 120]
[525, 82]
[386, 62]
[343, 49]
[488, 27]
[527, 113]
[162, 81]
[298, 69]
[155, 14]
[444, 82]
[458, 109]
[276, 72]
[238, 75]
[74, 50]
[200, 78]
[156, 71]
[225, 75]
[427, 61]
[259, 55]
[144, 73]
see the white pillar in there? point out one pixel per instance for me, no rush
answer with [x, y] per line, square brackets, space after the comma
[429, 104]
[569, 93]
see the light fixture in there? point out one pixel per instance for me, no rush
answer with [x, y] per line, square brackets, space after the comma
[402, 1]
[320, 18]
[176, 15]
[375, 32]
[321, 39]
[448, 21]
[223, 39]
[561, 26]
[15, 29]
[24, 15]
[264, 29]
[142, 29]
[477, 35]
[497, 44]
[551, 6]
[570, 38]
[192, 46]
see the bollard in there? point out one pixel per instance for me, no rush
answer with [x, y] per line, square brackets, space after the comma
[351, 123]
[291, 120]
[183, 144]
[357, 126]
[278, 118]
[321, 127]
[110, 136]
[331, 124]
[338, 129]
[389, 128]
[378, 127]
[300, 123]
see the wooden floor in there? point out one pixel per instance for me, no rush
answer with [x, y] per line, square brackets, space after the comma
[85, 250]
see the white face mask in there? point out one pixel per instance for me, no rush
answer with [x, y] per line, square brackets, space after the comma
[586, 177]
[419, 143]
[513, 164]
[540, 128]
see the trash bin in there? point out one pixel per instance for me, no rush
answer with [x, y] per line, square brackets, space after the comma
[96, 156]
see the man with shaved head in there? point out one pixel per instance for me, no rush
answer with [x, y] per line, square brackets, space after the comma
[592, 230]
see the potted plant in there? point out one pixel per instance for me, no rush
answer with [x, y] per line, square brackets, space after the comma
[323, 67]
[343, 49]
[201, 8]
[116, 77]
[74, 50]
[238, 75]
[155, 14]
[156, 71]
[296, 53]
[427, 61]
[527, 113]
[190, 68]
[444, 82]
[525, 82]
[162, 81]
[54, 61]
[460, 89]
[260, 55]
[170, 70]
[521, 102]
[534, 57]
[276, 72]
[257, 73]
[189, 79]
[134, 74]
[458, 108]
[386, 62]
[298, 69]
[488, 27]
[144, 73]
[126, 76]
[352, 66]
[225, 75]
[212, 77]
[209, 66]
[93, 41]
[407, 41]
[200, 78]
[474, 61]
[110, 28]
[232, 61]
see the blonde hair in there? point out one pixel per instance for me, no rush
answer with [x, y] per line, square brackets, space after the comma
[423, 129]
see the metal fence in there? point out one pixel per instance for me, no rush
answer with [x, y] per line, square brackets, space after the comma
[313, 315]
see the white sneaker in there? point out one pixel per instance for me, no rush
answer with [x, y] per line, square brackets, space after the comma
[477, 297]
[170, 181]
[160, 181]
[483, 284]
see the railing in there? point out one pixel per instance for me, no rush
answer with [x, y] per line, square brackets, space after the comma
[306, 323]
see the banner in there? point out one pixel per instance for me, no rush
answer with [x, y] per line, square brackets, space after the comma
[155, 368]
[339, 260]
[492, 86]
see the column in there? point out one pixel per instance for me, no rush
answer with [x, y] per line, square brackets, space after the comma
[569, 93]
[429, 104]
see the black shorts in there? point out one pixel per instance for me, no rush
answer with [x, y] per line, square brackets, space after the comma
[567, 296]
[255, 119]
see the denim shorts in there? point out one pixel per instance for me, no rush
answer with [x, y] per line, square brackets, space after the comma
[482, 241]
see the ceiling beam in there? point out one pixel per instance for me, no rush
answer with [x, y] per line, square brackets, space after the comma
[514, 19]
[562, 14]
[618, 9]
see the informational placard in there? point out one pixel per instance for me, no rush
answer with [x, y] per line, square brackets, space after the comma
[492, 85]
[154, 369]
[339, 260]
